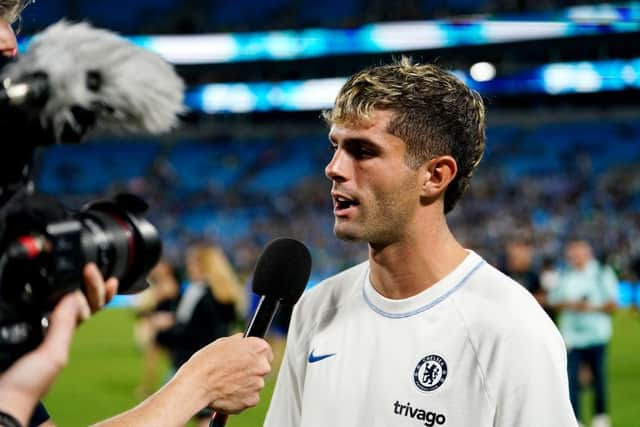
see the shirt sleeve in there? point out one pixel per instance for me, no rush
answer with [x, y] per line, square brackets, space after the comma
[286, 403]
[531, 382]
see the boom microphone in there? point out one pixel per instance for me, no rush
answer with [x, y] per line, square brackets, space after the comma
[74, 77]
[280, 277]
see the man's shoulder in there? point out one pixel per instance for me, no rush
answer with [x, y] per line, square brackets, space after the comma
[497, 287]
[321, 303]
[493, 301]
[336, 287]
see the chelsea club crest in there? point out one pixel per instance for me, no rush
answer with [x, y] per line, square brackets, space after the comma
[430, 372]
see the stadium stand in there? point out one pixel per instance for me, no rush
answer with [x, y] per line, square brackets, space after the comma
[255, 189]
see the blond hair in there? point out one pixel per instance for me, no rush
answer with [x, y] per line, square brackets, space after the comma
[219, 274]
[435, 114]
[10, 9]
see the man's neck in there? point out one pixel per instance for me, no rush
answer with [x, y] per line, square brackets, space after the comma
[416, 262]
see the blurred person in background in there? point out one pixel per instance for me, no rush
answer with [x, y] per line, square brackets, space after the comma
[208, 309]
[585, 296]
[519, 266]
[519, 255]
[159, 300]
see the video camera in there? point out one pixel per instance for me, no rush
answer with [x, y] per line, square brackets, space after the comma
[73, 79]
[45, 248]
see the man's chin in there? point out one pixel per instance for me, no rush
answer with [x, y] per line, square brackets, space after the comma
[343, 234]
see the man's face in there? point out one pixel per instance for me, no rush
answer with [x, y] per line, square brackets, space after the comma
[579, 254]
[8, 43]
[375, 193]
[519, 256]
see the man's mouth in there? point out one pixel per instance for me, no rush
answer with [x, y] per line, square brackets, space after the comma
[342, 203]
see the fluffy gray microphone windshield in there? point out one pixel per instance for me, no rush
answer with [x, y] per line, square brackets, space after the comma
[136, 90]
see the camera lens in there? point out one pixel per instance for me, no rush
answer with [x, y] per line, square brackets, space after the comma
[120, 241]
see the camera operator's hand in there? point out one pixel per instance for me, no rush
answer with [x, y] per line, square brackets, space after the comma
[29, 378]
[97, 291]
[226, 375]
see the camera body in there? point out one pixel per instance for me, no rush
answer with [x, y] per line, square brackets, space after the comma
[45, 248]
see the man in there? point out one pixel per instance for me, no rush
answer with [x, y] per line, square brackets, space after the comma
[518, 265]
[425, 332]
[585, 296]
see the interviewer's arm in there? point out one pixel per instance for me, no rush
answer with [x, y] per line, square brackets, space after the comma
[226, 375]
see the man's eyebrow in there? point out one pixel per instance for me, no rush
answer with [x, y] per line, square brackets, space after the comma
[360, 141]
[353, 140]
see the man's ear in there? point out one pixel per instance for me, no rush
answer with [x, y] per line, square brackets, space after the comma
[437, 174]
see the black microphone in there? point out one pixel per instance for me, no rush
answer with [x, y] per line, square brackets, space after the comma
[280, 277]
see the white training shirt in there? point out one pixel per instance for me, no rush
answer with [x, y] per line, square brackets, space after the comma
[473, 350]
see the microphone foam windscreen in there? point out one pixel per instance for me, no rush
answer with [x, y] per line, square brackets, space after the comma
[283, 270]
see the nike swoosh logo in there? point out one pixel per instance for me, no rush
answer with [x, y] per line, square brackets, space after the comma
[313, 358]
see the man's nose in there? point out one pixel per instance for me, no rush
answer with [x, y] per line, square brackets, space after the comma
[338, 167]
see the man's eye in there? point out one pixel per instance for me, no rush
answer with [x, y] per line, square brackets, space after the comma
[362, 153]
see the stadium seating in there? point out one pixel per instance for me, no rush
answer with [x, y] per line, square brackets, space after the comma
[254, 189]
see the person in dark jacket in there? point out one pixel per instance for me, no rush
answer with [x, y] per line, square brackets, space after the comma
[208, 308]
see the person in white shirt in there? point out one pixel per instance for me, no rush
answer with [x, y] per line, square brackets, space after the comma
[585, 297]
[424, 333]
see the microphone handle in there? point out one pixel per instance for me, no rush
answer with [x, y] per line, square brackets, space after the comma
[218, 420]
[262, 318]
[258, 327]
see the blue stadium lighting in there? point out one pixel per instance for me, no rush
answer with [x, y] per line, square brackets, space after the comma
[389, 37]
[565, 78]
[605, 13]
[305, 95]
[200, 49]
[583, 77]
[318, 94]
[375, 38]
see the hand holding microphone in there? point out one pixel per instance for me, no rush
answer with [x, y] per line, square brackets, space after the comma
[280, 277]
[228, 374]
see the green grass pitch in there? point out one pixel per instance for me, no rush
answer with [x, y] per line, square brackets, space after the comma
[105, 368]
